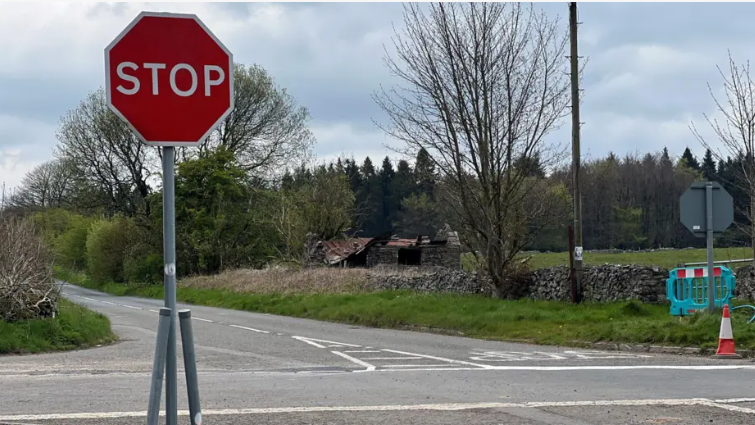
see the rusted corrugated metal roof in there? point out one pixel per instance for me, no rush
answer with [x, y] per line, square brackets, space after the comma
[402, 242]
[338, 250]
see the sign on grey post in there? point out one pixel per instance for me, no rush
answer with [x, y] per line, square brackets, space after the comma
[693, 213]
[706, 209]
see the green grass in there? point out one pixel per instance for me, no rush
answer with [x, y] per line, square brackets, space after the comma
[74, 327]
[666, 259]
[539, 322]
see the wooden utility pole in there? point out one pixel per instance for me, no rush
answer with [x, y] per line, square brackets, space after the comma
[577, 253]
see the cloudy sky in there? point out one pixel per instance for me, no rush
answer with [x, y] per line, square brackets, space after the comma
[646, 80]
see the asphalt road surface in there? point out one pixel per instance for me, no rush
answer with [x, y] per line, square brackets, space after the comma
[265, 369]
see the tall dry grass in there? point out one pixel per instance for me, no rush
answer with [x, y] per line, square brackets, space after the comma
[284, 280]
[297, 281]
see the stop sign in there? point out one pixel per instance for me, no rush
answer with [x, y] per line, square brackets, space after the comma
[169, 78]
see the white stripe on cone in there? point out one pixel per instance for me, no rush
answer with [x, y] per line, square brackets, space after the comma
[726, 332]
[725, 336]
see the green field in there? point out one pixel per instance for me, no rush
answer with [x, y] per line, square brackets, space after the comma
[540, 322]
[74, 327]
[666, 259]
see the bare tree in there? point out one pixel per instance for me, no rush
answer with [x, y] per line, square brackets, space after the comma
[266, 130]
[48, 185]
[482, 85]
[737, 132]
[106, 155]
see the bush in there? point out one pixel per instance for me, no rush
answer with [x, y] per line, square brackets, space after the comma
[106, 247]
[70, 247]
[51, 224]
[142, 264]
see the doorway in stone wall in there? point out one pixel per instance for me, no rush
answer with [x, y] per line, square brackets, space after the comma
[409, 257]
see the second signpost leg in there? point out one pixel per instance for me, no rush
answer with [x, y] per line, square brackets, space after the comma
[169, 246]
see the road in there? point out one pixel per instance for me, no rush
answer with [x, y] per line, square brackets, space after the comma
[265, 369]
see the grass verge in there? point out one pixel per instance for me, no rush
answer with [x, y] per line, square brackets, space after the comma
[538, 322]
[74, 327]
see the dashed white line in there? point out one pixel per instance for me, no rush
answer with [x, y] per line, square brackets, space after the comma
[130, 306]
[87, 298]
[362, 351]
[108, 302]
[249, 329]
[388, 408]
[202, 320]
[154, 311]
[369, 367]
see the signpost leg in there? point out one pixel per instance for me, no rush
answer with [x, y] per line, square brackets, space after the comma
[190, 366]
[158, 368]
[709, 230]
[169, 246]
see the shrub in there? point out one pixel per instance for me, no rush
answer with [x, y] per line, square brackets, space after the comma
[142, 264]
[51, 224]
[106, 247]
[70, 247]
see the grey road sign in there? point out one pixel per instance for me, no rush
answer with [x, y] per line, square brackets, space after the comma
[693, 209]
[707, 210]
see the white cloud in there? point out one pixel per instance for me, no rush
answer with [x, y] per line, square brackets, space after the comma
[13, 168]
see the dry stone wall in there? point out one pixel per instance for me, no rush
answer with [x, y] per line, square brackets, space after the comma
[603, 283]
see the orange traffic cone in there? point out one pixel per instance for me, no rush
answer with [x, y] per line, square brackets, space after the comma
[726, 338]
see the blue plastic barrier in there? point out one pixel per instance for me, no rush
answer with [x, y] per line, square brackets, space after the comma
[687, 289]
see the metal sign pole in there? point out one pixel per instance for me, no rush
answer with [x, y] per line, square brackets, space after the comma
[169, 246]
[709, 231]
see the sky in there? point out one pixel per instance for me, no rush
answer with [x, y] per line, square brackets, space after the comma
[646, 80]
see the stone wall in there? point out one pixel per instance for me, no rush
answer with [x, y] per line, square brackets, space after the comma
[745, 286]
[448, 256]
[378, 254]
[601, 283]
[604, 283]
[427, 280]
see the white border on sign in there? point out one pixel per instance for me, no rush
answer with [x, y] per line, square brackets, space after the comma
[210, 33]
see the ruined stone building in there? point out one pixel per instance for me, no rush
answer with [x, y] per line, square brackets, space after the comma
[442, 251]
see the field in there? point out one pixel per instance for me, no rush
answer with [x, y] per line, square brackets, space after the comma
[667, 258]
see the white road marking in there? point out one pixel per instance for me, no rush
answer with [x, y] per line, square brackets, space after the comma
[90, 299]
[388, 408]
[154, 311]
[572, 368]
[735, 400]
[441, 359]
[311, 341]
[393, 358]
[416, 365]
[730, 407]
[362, 351]
[108, 302]
[369, 367]
[130, 306]
[249, 329]
[202, 320]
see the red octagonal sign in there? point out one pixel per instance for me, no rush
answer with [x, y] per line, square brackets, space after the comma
[169, 78]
